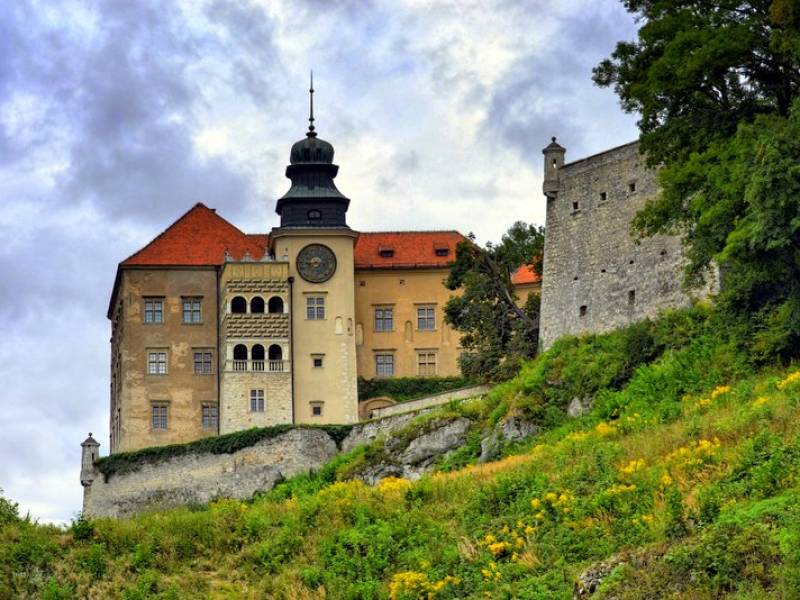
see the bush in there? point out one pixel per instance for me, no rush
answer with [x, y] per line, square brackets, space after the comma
[401, 389]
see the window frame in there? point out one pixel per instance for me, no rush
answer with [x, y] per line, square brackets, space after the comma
[425, 360]
[192, 300]
[157, 352]
[381, 320]
[209, 415]
[315, 307]
[257, 401]
[317, 408]
[152, 310]
[209, 362]
[384, 364]
[159, 415]
[427, 318]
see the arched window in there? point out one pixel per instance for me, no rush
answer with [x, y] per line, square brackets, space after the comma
[240, 357]
[275, 354]
[238, 305]
[314, 215]
[275, 304]
[257, 304]
[257, 354]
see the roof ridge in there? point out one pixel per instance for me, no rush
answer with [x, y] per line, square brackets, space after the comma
[164, 231]
[196, 206]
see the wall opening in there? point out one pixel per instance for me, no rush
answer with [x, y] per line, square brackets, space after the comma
[603, 196]
[574, 206]
[240, 352]
[631, 298]
[582, 310]
[238, 305]
[257, 304]
[632, 186]
[275, 305]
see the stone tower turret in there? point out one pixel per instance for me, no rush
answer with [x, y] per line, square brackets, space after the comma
[90, 452]
[553, 161]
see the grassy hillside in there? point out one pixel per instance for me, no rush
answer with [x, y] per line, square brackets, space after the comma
[681, 482]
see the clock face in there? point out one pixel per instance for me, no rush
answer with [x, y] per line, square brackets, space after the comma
[316, 263]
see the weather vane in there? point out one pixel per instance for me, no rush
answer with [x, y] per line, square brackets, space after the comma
[311, 132]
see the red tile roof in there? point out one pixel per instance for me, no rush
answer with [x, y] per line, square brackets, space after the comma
[525, 275]
[199, 238]
[405, 249]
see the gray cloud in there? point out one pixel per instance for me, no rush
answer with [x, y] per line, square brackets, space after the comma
[551, 93]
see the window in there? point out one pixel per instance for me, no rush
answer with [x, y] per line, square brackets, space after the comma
[316, 361]
[574, 206]
[315, 308]
[442, 251]
[210, 416]
[275, 305]
[153, 310]
[384, 365]
[314, 215]
[582, 310]
[316, 409]
[632, 187]
[238, 305]
[426, 363]
[203, 362]
[384, 319]
[159, 413]
[157, 362]
[386, 252]
[191, 310]
[257, 305]
[603, 196]
[256, 400]
[426, 319]
[631, 298]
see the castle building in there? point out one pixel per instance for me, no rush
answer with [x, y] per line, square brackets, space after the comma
[215, 330]
[596, 277]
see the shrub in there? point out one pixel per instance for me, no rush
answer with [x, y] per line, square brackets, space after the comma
[401, 389]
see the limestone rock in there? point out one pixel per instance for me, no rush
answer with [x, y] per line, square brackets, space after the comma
[579, 406]
[490, 448]
[514, 428]
[437, 442]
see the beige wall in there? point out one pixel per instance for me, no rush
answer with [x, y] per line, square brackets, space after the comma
[404, 290]
[525, 290]
[183, 391]
[248, 280]
[333, 384]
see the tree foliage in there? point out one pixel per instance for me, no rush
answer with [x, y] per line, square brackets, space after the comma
[497, 334]
[716, 84]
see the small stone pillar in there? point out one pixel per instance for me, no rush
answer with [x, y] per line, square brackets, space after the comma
[90, 452]
[553, 161]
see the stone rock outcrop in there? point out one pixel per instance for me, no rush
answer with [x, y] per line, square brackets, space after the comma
[510, 429]
[579, 406]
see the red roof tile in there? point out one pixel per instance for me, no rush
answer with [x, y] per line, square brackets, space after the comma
[199, 238]
[405, 249]
[525, 275]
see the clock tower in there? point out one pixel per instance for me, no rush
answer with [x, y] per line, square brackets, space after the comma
[317, 243]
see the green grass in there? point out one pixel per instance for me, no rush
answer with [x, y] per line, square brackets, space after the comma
[687, 465]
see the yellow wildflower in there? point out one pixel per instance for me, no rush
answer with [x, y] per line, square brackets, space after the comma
[719, 390]
[760, 401]
[790, 379]
[604, 429]
[499, 548]
[666, 480]
[633, 466]
[535, 503]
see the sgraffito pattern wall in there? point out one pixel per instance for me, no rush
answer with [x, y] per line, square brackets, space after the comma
[596, 277]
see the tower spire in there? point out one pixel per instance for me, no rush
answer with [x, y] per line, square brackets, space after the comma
[311, 132]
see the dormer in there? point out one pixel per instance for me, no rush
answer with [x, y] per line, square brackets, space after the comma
[386, 251]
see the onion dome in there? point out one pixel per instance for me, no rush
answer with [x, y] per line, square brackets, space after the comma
[313, 199]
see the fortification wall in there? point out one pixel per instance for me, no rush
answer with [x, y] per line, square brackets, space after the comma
[198, 477]
[595, 277]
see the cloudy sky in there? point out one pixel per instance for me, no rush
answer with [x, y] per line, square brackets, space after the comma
[116, 117]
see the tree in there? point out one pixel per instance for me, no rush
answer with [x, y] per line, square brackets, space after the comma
[716, 83]
[497, 334]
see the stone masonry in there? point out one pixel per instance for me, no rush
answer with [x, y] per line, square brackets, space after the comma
[596, 277]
